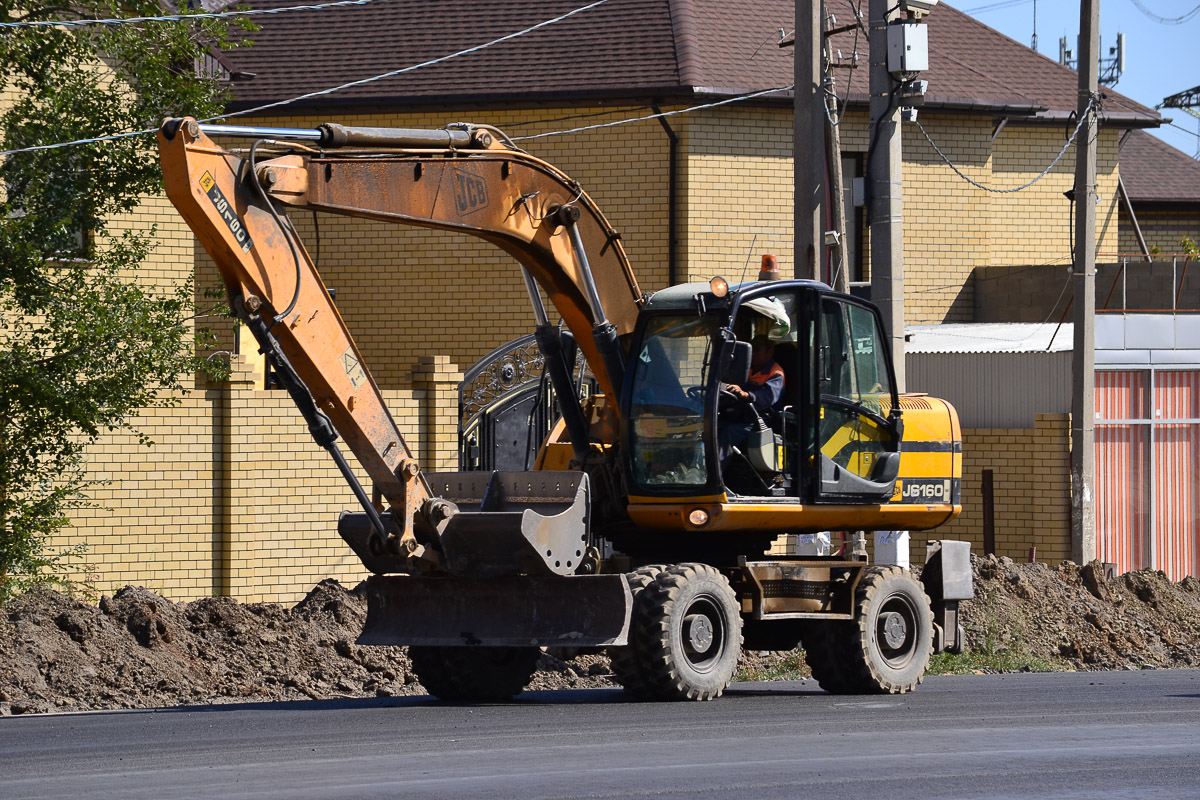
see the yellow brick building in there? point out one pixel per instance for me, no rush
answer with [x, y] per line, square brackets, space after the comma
[234, 498]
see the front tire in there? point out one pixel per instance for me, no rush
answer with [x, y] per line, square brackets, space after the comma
[689, 633]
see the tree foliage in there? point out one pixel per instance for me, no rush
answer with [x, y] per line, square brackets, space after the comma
[83, 343]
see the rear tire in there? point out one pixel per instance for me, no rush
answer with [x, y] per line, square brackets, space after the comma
[689, 633]
[474, 674]
[886, 648]
[626, 668]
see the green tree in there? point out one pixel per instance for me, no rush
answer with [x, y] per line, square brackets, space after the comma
[83, 345]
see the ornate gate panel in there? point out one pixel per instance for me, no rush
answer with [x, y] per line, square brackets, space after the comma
[506, 407]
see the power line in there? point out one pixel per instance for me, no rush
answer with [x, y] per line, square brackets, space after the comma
[1185, 130]
[979, 185]
[1166, 20]
[997, 6]
[688, 110]
[393, 73]
[429, 63]
[79, 23]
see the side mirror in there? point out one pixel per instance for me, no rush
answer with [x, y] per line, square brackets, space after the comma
[735, 367]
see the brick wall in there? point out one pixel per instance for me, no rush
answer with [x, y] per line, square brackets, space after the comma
[1041, 293]
[736, 192]
[1031, 481]
[234, 497]
[1160, 229]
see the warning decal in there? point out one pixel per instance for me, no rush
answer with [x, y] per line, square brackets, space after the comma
[225, 209]
[353, 368]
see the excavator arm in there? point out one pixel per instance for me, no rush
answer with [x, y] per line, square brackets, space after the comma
[459, 179]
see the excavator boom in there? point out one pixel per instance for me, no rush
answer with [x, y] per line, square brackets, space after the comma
[460, 179]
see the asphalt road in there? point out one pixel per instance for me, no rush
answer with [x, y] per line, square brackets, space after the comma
[1086, 735]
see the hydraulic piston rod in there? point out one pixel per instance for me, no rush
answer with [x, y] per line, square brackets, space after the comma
[332, 135]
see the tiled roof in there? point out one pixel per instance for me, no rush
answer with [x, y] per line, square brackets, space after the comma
[1155, 172]
[623, 48]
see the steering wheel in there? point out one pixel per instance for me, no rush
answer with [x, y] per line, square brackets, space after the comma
[727, 399]
[695, 393]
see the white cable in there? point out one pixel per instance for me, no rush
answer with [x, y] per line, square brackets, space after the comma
[393, 73]
[78, 23]
[737, 99]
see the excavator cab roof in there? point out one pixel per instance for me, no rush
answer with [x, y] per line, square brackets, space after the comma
[685, 295]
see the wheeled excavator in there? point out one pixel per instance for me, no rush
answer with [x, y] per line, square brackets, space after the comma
[640, 530]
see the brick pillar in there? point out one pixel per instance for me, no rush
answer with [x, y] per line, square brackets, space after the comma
[234, 414]
[437, 380]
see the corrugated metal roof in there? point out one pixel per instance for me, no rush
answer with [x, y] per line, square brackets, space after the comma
[990, 337]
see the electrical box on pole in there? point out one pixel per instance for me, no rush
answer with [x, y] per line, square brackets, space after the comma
[908, 47]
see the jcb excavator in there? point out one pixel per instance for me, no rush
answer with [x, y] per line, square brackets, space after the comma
[643, 529]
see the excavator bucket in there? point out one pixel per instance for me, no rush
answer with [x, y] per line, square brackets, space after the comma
[513, 523]
[512, 549]
[540, 611]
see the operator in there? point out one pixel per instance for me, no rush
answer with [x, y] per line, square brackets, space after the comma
[764, 387]
[763, 391]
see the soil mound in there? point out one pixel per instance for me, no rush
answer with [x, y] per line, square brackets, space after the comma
[136, 649]
[139, 650]
[1075, 616]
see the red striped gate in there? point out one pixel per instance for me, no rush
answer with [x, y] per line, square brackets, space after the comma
[1148, 470]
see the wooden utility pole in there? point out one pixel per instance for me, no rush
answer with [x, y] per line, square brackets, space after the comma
[884, 207]
[1083, 402]
[808, 142]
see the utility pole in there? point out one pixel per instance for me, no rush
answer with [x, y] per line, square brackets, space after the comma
[884, 188]
[1083, 402]
[808, 142]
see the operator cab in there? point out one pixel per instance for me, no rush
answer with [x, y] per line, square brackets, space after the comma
[832, 435]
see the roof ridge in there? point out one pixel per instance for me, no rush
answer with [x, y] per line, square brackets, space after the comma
[685, 33]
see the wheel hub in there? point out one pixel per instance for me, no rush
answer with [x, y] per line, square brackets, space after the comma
[699, 631]
[893, 629]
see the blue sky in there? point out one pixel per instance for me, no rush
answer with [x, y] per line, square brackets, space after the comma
[1161, 59]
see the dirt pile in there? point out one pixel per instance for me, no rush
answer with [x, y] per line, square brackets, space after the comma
[1074, 616]
[139, 650]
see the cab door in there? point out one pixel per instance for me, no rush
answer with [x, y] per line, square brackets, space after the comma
[858, 424]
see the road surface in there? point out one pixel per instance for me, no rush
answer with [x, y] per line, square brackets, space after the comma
[1085, 735]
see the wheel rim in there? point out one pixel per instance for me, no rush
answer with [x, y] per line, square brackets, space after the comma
[896, 631]
[702, 633]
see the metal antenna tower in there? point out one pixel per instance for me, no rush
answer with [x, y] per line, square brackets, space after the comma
[1188, 102]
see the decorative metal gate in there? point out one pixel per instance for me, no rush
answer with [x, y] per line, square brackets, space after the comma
[506, 407]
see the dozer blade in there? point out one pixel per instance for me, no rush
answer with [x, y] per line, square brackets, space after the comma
[513, 523]
[543, 611]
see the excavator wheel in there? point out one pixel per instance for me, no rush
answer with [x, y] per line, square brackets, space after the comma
[688, 633]
[474, 674]
[624, 660]
[886, 648]
[820, 641]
